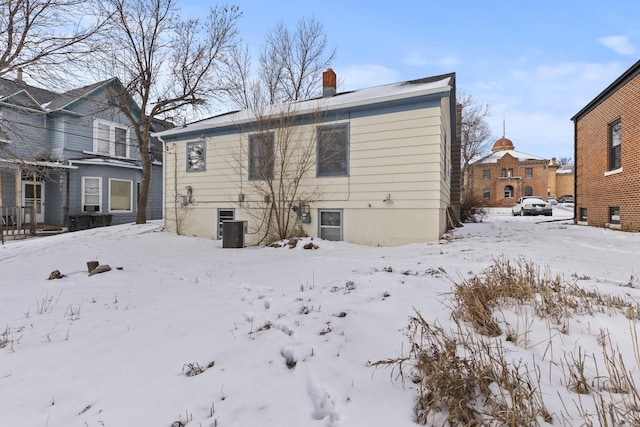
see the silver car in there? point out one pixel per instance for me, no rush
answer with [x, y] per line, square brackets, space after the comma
[532, 205]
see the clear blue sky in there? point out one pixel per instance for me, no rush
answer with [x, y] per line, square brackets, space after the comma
[536, 63]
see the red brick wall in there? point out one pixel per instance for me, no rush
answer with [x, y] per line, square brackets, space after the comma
[519, 181]
[594, 190]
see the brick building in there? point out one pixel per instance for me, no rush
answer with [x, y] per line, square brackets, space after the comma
[503, 176]
[607, 156]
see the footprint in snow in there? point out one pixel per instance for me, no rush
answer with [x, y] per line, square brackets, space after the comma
[324, 403]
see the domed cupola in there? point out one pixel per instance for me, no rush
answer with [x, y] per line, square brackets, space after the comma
[502, 144]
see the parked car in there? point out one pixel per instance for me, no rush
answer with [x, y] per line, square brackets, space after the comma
[552, 200]
[531, 205]
[566, 198]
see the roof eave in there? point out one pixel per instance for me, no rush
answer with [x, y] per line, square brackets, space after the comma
[311, 107]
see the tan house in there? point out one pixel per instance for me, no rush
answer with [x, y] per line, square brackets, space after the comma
[607, 154]
[371, 166]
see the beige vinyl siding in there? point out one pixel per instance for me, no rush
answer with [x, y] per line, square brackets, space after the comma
[398, 154]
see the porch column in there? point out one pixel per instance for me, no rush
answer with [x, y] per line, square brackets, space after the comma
[18, 190]
[17, 181]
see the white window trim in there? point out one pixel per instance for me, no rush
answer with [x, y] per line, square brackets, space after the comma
[112, 138]
[130, 199]
[82, 201]
[613, 172]
[338, 227]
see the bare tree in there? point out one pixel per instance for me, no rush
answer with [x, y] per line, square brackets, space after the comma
[565, 161]
[475, 134]
[281, 153]
[289, 68]
[42, 35]
[166, 64]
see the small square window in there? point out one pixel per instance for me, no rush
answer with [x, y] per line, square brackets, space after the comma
[330, 224]
[196, 156]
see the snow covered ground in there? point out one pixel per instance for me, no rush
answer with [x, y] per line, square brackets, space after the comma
[277, 337]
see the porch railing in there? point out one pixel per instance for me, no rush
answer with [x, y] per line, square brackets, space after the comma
[17, 222]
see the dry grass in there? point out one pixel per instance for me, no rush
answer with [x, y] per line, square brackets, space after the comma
[465, 376]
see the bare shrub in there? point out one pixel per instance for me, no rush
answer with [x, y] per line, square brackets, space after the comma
[472, 209]
[464, 379]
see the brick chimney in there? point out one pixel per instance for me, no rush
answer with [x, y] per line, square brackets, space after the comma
[19, 76]
[328, 83]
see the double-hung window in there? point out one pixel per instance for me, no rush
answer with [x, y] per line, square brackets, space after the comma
[332, 150]
[528, 172]
[91, 194]
[261, 155]
[110, 139]
[486, 174]
[615, 143]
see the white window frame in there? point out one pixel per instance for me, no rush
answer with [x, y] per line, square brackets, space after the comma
[112, 138]
[339, 227]
[84, 194]
[111, 180]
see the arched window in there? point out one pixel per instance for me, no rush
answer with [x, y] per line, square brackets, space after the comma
[486, 193]
[528, 191]
[508, 192]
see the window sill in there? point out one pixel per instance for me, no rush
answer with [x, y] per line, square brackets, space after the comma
[94, 153]
[613, 172]
[613, 226]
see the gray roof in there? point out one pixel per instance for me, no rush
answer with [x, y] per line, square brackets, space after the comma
[47, 99]
[436, 85]
[12, 87]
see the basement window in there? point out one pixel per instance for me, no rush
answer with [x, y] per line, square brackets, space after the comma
[330, 224]
[614, 214]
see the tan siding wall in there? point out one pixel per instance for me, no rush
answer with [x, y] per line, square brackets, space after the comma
[397, 154]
